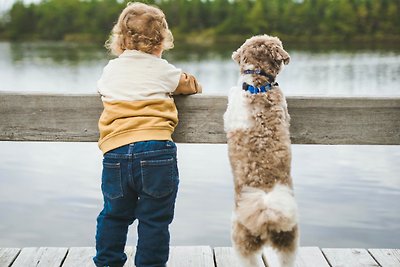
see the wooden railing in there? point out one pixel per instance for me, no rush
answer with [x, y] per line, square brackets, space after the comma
[315, 120]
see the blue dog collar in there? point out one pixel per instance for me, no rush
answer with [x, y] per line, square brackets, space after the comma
[256, 90]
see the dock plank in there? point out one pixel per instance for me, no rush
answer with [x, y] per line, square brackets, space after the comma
[199, 256]
[349, 257]
[40, 257]
[80, 256]
[270, 258]
[84, 257]
[52, 257]
[226, 257]
[386, 257]
[311, 257]
[8, 255]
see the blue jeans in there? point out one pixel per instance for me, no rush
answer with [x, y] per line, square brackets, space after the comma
[139, 181]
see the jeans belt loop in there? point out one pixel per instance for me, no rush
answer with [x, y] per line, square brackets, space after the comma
[130, 150]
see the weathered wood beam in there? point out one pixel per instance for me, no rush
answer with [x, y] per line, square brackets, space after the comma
[315, 120]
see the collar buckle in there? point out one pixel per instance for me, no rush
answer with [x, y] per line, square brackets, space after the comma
[256, 90]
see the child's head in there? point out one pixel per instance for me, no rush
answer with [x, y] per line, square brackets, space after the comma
[140, 27]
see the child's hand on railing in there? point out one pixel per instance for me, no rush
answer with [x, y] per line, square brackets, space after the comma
[188, 85]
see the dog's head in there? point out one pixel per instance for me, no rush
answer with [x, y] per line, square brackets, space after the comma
[262, 52]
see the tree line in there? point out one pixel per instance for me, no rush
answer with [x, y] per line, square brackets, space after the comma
[211, 19]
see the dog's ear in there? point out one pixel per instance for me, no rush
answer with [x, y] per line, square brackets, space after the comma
[236, 56]
[279, 54]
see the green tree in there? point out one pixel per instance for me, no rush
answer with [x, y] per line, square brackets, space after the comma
[22, 21]
[235, 20]
[256, 19]
[340, 19]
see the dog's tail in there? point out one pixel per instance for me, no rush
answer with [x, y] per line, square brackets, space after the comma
[259, 210]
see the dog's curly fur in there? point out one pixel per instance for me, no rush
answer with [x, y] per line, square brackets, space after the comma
[257, 127]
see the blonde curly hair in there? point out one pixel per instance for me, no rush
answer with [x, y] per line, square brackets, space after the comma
[140, 27]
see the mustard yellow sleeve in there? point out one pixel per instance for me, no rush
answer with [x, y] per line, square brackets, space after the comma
[187, 85]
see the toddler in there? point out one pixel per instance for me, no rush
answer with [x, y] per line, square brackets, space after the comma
[140, 174]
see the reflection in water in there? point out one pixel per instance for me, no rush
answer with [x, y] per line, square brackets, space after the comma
[71, 68]
[50, 195]
[349, 196]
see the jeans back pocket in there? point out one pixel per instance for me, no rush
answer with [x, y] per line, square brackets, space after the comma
[111, 184]
[159, 177]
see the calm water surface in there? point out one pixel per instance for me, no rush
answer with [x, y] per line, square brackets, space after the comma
[349, 196]
[69, 68]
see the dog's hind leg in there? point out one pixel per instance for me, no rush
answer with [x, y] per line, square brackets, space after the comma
[286, 245]
[247, 246]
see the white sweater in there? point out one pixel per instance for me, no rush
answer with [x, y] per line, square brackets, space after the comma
[136, 75]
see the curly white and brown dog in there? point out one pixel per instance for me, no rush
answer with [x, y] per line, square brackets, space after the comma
[257, 126]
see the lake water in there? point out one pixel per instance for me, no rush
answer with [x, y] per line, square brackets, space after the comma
[349, 196]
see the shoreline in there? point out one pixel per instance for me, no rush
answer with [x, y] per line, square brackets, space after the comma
[207, 39]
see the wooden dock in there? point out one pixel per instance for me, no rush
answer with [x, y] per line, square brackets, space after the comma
[201, 256]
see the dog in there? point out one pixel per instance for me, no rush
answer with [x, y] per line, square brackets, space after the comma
[256, 123]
